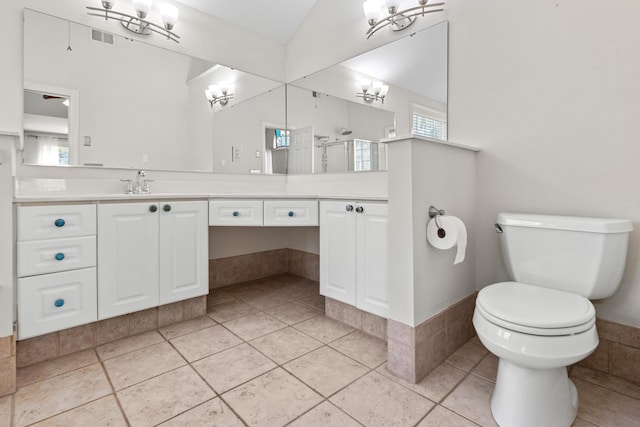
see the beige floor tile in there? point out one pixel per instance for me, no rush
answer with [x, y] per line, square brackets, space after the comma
[103, 412]
[205, 342]
[582, 423]
[269, 399]
[128, 344]
[230, 310]
[616, 384]
[472, 400]
[325, 415]
[366, 349]
[294, 313]
[316, 301]
[326, 370]
[442, 417]
[218, 296]
[434, 386]
[55, 395]
[324, 329]
[487, 368]
[5, 411]
[186, 327]
[163, 397]
[467, 356]
[230, 368]
[375, 400]
[285, 345]
[140, 365]
[50, 368]
[254, 326]
[212, 413]
[604, 407]
[266, 301]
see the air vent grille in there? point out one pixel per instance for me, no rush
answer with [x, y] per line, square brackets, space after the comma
[102, 37]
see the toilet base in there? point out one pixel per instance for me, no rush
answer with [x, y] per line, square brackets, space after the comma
[526, 397]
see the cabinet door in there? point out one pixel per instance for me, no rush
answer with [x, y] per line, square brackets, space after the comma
[184, 248]
[372, 274]
[127, 258]
[338, 251]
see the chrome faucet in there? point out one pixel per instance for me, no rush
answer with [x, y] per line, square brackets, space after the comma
[141, 185]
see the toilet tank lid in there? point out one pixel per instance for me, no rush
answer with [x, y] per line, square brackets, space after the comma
[572, 223]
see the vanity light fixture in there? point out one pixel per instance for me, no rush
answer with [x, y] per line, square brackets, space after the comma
[397, 19]
[218, 94]
[372, 91]
[139, 24]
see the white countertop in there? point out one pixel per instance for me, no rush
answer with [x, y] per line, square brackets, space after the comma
[60, 198]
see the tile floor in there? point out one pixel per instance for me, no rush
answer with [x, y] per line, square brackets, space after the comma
[266, 355]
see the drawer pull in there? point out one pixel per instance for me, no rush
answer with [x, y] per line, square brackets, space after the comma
[359, 209]
[59, 256]
[349, 208]
[291, 213]
[59, 222]
[153, 208]
[235, 213]
[166, 208]
[59, 302]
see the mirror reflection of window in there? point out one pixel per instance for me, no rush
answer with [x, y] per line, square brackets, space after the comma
[428, 122]
[46, 128]
[281, 138]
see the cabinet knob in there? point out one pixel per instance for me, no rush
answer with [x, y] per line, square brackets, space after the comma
[291, 213]
[59, 256]
[359, 209]
[59, 222]
[349, 208]
[166, 208]
[59, 302]
[235, 213]
[153, 208]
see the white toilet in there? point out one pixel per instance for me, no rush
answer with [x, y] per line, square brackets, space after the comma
[544, 321]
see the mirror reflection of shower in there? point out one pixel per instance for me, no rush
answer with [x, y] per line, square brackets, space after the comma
[341, 153]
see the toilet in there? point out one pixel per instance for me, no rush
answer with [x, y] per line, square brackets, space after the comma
[543, 321]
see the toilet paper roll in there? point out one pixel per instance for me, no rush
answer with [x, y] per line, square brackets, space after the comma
[455, 234]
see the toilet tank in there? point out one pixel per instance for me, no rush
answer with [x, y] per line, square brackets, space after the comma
[585, 256]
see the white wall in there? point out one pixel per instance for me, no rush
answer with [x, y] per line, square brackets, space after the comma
[548, 90]
[7, 245]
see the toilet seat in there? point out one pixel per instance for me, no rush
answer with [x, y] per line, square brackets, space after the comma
[535, 310]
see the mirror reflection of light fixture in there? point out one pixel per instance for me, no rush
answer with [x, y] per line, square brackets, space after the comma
[138, 24]
[397, 19]
[218, 94]
[372, 91]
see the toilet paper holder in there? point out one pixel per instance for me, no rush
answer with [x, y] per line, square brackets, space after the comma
[433, 214]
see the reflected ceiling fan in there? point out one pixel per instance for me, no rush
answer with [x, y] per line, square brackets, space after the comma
[65, 102]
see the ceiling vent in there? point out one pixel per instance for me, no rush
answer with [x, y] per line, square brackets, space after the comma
[102, 37]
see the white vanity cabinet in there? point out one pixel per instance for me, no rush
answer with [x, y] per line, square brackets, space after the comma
[268, 213]
[150, 253]
[56, 266]
[353, 254]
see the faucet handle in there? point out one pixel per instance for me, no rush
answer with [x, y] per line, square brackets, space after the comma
[145, 186]
[129, 182]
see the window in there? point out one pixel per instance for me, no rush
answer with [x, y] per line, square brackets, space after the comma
[428, 122]
[281, 138]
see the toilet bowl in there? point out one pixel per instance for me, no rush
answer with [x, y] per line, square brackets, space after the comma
[535, 332]
[543, 321]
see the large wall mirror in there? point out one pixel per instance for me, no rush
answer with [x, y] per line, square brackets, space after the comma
[97, 99]
[335, 126]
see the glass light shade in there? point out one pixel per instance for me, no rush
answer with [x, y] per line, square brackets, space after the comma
[365, 84]
[215, 90]
[108, 4]
[143, 6]
[371, 9]
[376, 86]
[169, 15]
[384, 90]
[224, 87]
[392, 4]
[208, 94]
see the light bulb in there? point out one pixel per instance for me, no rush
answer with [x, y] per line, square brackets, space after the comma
[169, 15]
[142, 7]
[371, 10]
[365, 84]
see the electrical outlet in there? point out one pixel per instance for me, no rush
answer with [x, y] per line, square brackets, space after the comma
[87, 141]
[258, 154]
[236, 154]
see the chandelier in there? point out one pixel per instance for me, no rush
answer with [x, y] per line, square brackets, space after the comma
[139, 24]
[379, 17]
[218, 94]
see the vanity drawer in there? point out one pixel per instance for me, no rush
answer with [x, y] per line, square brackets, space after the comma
[290, 213]
[56, 301]
[55, 221]
[54, 255]
[235, 212]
